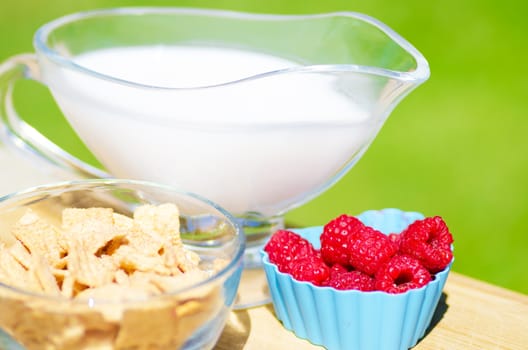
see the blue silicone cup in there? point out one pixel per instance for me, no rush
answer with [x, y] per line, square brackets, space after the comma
[351, 319]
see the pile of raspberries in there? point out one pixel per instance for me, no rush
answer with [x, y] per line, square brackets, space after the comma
[356, 256]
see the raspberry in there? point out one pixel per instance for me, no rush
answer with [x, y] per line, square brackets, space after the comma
[395, 238]
[310, 268]
[334, 239]
[284, 247]
[350, 280]
[369, 249]
[429, 241]
[400, 274]
[337, 269]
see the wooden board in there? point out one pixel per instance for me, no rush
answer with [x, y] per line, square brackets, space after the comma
[471, 315]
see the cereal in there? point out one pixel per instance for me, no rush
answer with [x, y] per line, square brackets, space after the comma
[109, 277]
[93, 227]
[130, 260]
[184, 260]
[39, 237]
[20, 253]
[88, 269]
[161, 222]
[16, 275]
[44, 275]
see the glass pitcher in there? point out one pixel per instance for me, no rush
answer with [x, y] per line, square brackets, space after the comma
[259, 113]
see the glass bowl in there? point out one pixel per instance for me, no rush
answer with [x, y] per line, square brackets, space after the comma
[189, 316]
[352, 319]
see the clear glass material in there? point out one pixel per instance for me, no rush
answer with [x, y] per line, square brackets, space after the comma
[197, 314]
[258, 144]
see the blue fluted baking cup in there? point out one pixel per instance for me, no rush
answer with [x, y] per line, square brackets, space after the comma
[350, 319]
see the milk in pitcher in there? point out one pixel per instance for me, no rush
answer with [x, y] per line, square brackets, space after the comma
[170, 114]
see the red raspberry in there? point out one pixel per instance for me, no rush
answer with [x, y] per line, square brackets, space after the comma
[334, 239]
[337, 269]
[350, 280]
[395, 238]
[284, 247]
[310, 268]
[369, 249]
[429, 241]
[400, 274]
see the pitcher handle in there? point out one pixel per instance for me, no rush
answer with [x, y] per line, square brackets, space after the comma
[16, 132]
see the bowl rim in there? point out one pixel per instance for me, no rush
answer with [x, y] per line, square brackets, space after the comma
[93, 183]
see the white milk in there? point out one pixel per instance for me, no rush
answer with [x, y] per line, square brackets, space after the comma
[260, 145]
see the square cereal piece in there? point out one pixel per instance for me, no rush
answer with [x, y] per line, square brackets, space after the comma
[130, 260]
[88, 269]
[21, 254]
[94, 226]
[178, 258]
[44, 274]
[143, 243]
[158, 333]
[161, 221]
[89, 217]
[39, 237]
[12, 273]
[144, 281]
[123, 222]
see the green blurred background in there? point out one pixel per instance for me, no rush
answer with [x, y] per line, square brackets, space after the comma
[456, 147]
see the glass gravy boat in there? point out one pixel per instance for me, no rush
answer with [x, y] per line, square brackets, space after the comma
[259, 113]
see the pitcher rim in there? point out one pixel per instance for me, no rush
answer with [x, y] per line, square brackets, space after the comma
[418, 75]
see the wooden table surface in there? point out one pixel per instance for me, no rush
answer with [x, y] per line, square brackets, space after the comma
[471, 315]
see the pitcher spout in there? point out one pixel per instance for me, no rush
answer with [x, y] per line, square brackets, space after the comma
[376, 66]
